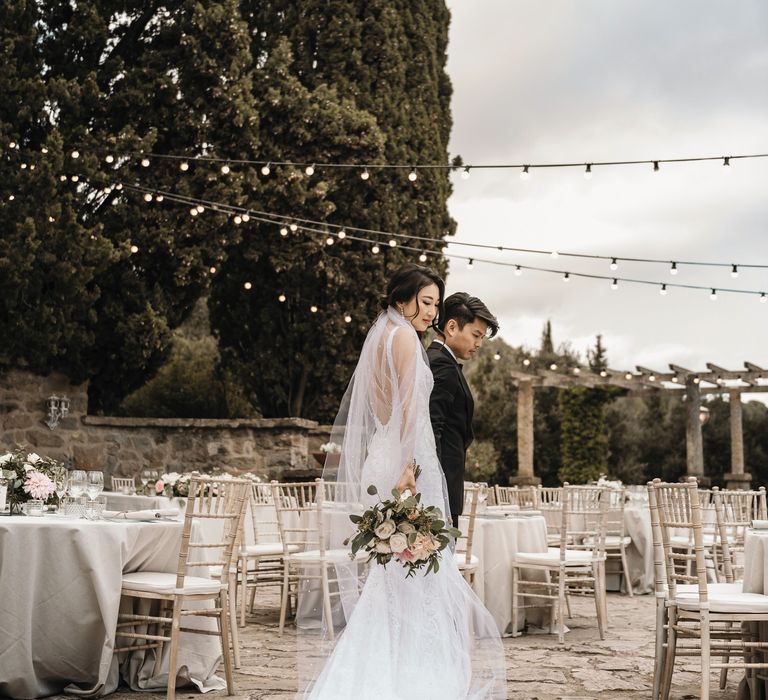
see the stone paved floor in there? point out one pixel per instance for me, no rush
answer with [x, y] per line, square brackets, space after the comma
[584, 668]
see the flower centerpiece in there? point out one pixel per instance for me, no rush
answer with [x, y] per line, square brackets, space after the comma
[401, 528]
[176, 484]
[29, 476]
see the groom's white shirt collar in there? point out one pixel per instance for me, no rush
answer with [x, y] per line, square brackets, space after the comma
[453, 354]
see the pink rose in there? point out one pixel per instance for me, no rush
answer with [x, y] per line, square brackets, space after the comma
[159, 486]
[405, 555]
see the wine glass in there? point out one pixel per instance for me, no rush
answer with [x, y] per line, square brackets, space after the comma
[78, 480]
[146, 475]
[60, 484]
[95, 484]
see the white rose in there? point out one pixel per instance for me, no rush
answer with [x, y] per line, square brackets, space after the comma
[398, 542]
[386, 529]
[405, 494]
[7, 457]
[383, 547]
[28, 467]
[171, 478]
[33, 458]
[406, 528]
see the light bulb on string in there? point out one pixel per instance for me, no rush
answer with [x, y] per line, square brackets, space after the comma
[134, 249]
[62, 178]
[74, 178]
[614, 264]
[313, 309]
[423, 257]
[465, 173]
[12, 144]
[527, 362]
[200, 208]
[246, 218]
[727, 163]
[673, 269]
[588, 171]
[651, 377]
[763, 298]
[294, 227]
[496, 356]
[147, 197]
[193, 211]
[184, 166]
[283, 231]
[342, 234]
[663, 290]
[281, 298]
[159, 198]
[614, 283]
[225, 169]
[713, 295]
[412, 175]
[734, 271]
[470, 264]
[655, 166]
[247, 285]
[628, 376]
[675, 380]
[75, 154]
[577, 370]
[696, 380]
[145, 162]
[265, 170]
[32, 167]
[23, 166]
[11, 197]
[329, 240]
[310, 169]
[119, 186]
[603, 373]
[365, 174]
[518, 270]
[43, 150]
[375, 250]
[524, 174]
[554, 254]
[51, 219]
[392, 243]
[347, 319]
[567, 277]
[553, 367]
[238, 220]
[212, 270]
[110, 158]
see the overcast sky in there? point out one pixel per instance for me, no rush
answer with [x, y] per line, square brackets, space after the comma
[561, 81]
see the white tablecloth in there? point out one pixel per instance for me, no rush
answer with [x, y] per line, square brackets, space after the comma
[60, 586]
[496, 542]
[123, 501]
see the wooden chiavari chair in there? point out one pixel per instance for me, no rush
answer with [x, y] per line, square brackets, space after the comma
[467, 561]
[122, 484]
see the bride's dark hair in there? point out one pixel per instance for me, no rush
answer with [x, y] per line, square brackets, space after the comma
[407, 282]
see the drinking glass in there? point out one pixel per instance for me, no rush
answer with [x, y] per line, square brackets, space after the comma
[146, 475]
[60, 484]
[95, 484]
[78, 480]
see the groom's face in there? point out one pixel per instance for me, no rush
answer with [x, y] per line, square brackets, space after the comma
[465, 342]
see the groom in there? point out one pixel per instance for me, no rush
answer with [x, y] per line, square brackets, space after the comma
[462, 327]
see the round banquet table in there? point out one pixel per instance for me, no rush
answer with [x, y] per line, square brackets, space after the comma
[60, 582]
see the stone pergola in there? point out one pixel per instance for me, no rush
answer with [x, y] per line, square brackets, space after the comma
[714, 380]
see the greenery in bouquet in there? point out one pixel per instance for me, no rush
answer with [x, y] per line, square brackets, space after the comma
[29, 476]
[402, 529]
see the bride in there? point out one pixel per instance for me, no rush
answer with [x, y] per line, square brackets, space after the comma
[427, 636]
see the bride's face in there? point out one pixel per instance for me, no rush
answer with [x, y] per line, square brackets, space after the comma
[422, 309]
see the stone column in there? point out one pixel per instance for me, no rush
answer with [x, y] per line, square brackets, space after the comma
[693, 442]
[525, 475]
[736, 478]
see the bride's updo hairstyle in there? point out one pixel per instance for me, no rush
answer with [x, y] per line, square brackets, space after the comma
[407, 282]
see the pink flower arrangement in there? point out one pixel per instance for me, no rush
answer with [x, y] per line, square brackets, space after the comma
[38, 485]
[159, 486]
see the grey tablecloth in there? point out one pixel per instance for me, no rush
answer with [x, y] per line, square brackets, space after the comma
[60, 586]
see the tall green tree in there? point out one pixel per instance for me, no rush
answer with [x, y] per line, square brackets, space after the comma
[358, 83]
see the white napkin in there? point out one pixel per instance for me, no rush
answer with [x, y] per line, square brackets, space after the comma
[760, 524]
[142, 514]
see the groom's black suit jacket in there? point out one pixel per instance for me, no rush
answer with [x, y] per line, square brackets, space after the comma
[450, 408]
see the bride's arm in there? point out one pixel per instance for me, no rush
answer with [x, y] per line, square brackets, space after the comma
[405, 348]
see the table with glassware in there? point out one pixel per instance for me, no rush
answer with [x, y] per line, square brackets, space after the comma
[60, 583]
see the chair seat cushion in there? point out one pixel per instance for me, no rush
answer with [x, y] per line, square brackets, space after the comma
[573, 557]
[267, 549]
[334, 555]
[685, 541]
[712, 588]
[157, 582]
[461, 560]
[733, 602]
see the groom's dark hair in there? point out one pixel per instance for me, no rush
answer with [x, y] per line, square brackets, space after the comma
[465, 309]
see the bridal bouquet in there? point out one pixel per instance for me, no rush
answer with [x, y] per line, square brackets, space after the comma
[401, 528]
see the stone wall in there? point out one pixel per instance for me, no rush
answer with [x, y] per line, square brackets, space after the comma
[275, 448]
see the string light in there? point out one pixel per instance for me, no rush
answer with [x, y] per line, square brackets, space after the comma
[247, 285]
[147, 197]
[347, 319]
[375, 250]
[588, 172]
[281, 298]
[200, 208]
[212, 270]
[567, 277]
[496, 356]
[675, 380]
[246, 218]
[577, 370]
[293, 227]
[238, 220]
[159, 198]
[465, 173]
[62, 178]
[134, 249]
[43, 150]
[75, 178]
[342, 234]
[392, 243]
[110, 158]
[614, 264]
[23, 166]
[518, 270]
[184, 166]
[763, 298]
[313, 309]
[265, 169]
[614, 283]
[310, 169]
[553, 367]
[524, 174]
[696, 380]
[663, 290]
[283, 231]
[470, 264]
[329, 241]
[603, 373]
[673, 269]
[526, 362]
[734, 271]
[713, 295]
[75, 154]
[365, 174]
[412, 175]
[554, 254]
[628, 376]
[423, 257]
[225, 169]
[655, 166]
[145, 162]
[119, 186]
[193, 211]
[11, 197]
[651, 377]
[726, 161]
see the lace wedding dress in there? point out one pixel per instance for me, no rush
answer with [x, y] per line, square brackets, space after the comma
[426, 636]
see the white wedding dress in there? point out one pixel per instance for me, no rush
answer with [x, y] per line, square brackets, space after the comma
[427, 636]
